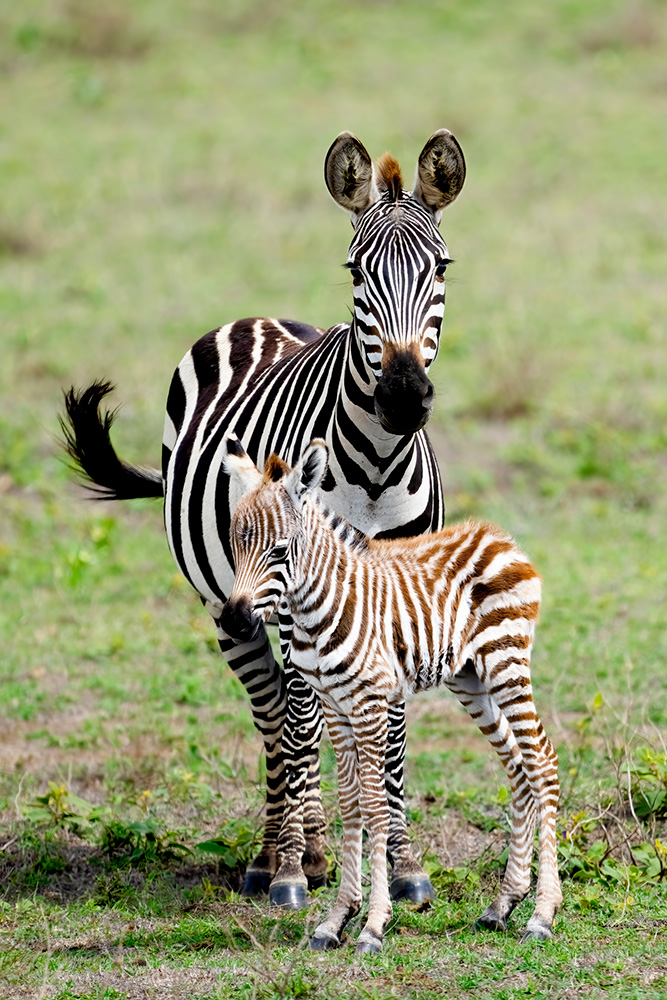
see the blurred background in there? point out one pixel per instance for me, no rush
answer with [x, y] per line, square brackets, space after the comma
[161, 173]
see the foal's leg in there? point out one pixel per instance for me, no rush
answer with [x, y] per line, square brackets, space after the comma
[303, 822]
[409, 880]
[348, 902]
[370, 733]
[540, 765]
[301, 737]
[482, 708]
[255, 666]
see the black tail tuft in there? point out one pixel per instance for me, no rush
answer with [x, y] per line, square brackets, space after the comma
[87, 442]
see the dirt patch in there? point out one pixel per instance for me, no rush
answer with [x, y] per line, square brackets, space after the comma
[137, 983]
[455, 841]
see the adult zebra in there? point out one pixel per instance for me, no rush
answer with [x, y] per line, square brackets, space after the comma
[363, 388]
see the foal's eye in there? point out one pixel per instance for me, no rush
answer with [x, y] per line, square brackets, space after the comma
[279, 551]
[441, 267]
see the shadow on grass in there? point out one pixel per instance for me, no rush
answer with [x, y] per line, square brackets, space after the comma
[64, 870]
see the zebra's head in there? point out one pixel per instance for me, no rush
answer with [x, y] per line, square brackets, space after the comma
[264, 532]
[397, 259]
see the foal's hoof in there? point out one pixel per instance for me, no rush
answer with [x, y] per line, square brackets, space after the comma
[413, 888]
[537, 931]
[369, 944]
[323, 942]
[256, 884]
[288, 895]
[490, 922]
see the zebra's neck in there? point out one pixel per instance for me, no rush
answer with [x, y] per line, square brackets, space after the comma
[328, 544]
[355, 419]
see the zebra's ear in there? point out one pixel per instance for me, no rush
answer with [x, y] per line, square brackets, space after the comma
[308, 472]
[242, 471]
[441, 171]
[348, 172]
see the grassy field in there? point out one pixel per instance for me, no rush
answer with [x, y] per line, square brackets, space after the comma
[161, 172]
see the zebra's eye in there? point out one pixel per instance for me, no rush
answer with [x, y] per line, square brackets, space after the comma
[441, 267]
[279, 551]
[355, 271]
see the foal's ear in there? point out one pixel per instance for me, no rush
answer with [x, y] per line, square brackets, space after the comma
[242, 471]
[348, 172]
[308, 472]
[441, 171]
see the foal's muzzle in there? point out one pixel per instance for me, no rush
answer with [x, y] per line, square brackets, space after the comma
[239, 620]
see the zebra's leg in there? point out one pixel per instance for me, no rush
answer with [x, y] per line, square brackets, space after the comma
[409, 880]
[540, 766]
[348, 903]
[255, 666]
[314, 826]
[307, 710]
[370, 733]
[301, 737]
[484, 711]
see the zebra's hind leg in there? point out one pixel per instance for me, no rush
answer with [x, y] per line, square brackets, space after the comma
[301, 737]
[485, 712]
[540, 766]
[348, 903]
[255, 666]
[409, 880]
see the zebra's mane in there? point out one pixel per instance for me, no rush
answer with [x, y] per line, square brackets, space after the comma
[389, 178]
[356, 539]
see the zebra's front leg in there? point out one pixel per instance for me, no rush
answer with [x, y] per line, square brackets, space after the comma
[255, 666]
[299, 858]
[348, 903]
[370, 734]
[409, 880]
[307, 705]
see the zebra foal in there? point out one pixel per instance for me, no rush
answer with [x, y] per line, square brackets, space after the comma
[374, 621]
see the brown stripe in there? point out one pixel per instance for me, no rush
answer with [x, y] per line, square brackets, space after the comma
[504, 581]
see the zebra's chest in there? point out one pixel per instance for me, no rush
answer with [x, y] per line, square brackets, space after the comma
[343, 676]
[380, 508]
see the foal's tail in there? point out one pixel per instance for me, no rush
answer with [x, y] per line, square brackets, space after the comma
[87, 442]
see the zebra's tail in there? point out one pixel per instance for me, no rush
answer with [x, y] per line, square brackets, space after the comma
[87, 442]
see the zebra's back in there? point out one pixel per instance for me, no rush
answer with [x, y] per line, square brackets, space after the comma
[411, 612]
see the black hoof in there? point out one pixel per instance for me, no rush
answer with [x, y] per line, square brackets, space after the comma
[323, 942]
[289, 895]
[317, 881]
[368, 947]
[485, 923]
[413, 888]
[256, 884]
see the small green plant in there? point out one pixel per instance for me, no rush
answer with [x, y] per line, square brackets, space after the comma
[586, 857]
[649, 787]
[234, 845]
[141, 843]
[61, 809]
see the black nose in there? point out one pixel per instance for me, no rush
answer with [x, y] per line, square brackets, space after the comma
[404, 395]
[239, 620]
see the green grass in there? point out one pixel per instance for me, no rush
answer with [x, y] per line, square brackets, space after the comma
[161, 165]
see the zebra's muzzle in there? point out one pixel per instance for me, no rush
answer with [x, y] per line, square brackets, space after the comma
[239, 620]
[403, 397]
